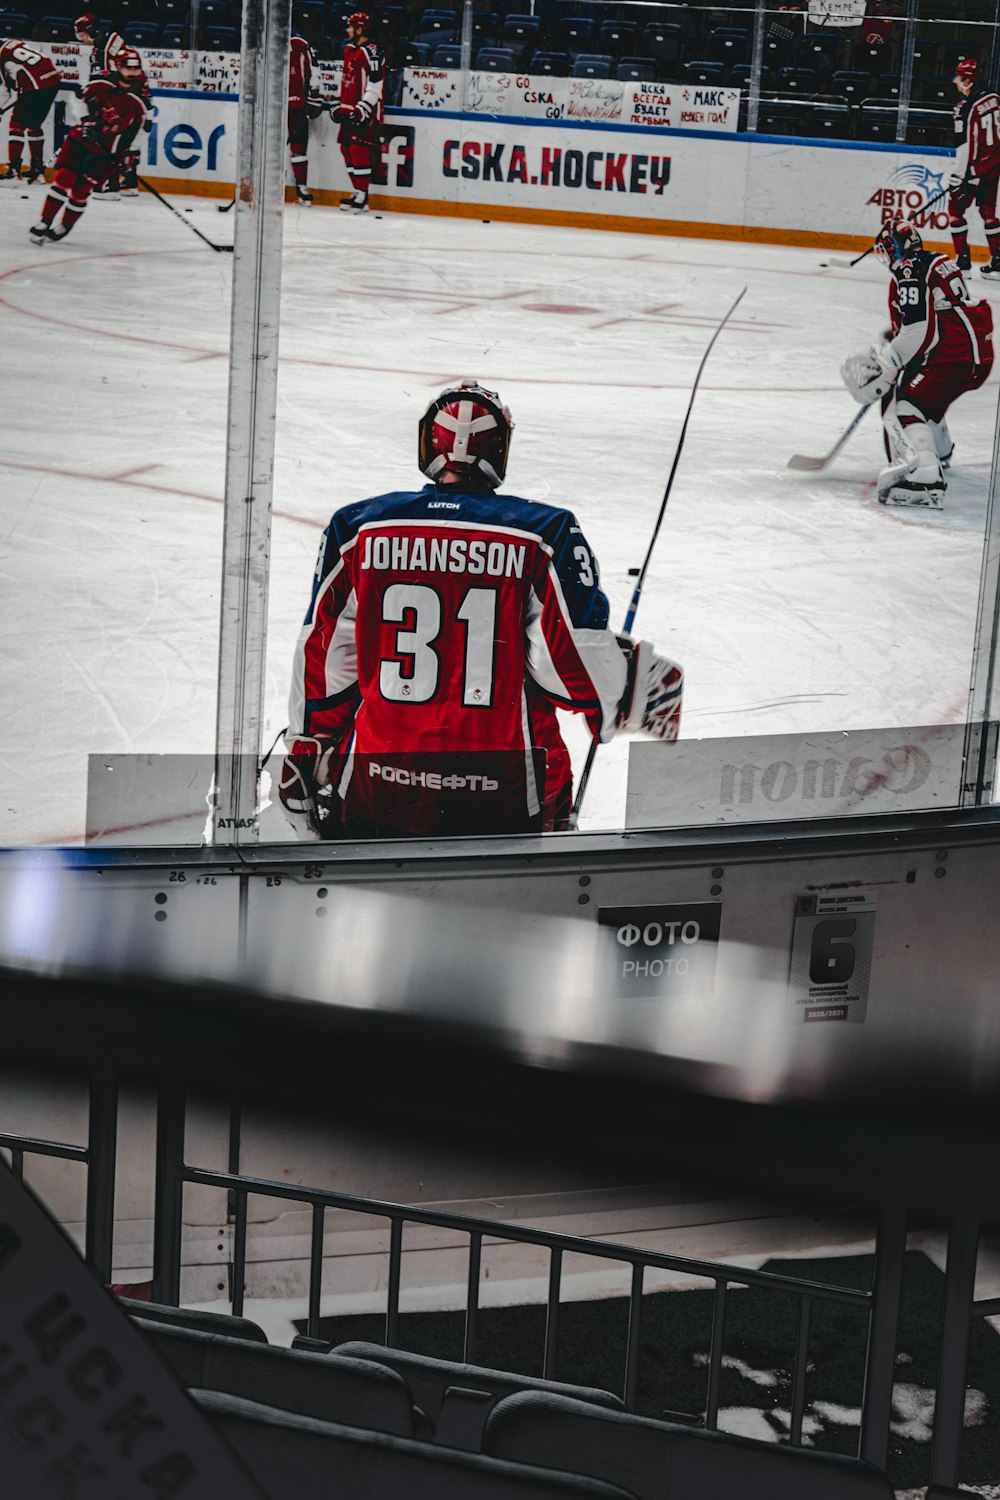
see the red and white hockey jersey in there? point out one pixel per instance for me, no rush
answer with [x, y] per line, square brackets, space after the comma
[300, 66]
[977, 128]
[114, 117]
[933, 316]
[363, 78]
[25, 70]
[446, 626]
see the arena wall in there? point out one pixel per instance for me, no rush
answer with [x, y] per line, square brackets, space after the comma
[555, 155]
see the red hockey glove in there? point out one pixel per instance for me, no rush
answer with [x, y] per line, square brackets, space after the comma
[306, 785]
[347, 114]
[653, 691]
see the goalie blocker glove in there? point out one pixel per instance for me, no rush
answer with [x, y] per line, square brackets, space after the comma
[306, 786]
[654, 688]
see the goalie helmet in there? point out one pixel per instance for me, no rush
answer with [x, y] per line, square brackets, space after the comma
[897, 241]
[360, 21]
[466, 430]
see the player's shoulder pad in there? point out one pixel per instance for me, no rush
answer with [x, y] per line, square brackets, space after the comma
[373, 50]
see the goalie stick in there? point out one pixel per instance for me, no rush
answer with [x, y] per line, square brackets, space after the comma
[813, 465]
[842, 263]
[220, 249]
[633, 607]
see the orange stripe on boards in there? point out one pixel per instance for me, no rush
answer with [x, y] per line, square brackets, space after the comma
[566, 218]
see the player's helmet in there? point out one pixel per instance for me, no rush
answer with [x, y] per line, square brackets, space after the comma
[360, 21]
[967, 68]
[128, 65]
[897, 241]
[466, 430]
[86, 26]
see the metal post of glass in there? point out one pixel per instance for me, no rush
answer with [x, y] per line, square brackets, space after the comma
[253, 375]
[906, 70]
[756, 67]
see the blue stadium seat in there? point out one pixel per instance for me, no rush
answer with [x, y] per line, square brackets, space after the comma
[554, 64]
[729, 45]
[13, 23]
[55, 29]
[887, 85]
[176, 35]
[172, 12]
[495, 60]
[411, 55]
[798, 81]
[221, 13]
[142, 33]
[635, 70]
[222, 39]
[436, 31]
[664, 44]
[592, 65]
[853, 85]
[575, 34]
[520, 33]
[825, 120]
[484, 28]
[779, 51]
[703, 72]
[778, 117]
[877, 121]
[616, 37]
[936, 91]
[448, 55]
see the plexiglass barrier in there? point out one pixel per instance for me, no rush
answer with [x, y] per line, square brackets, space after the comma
[564, 204]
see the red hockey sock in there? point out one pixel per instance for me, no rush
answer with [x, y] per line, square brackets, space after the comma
[53, 203]
[300, 170]
[360, 182]
[36, 142]
[15, 146]
[960, 239]
[71, 213]
[993, 240]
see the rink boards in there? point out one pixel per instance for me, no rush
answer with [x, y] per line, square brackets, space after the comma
[579, 172]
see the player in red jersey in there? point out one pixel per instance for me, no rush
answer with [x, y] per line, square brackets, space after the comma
[446, 627]
[976, 173]
[129, 174]
[940, 346]
[360, 109]
[93, 150]
[31, 81]
[304, 104]
[104, 44]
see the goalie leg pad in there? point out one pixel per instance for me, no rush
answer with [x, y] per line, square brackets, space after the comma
[915, 476]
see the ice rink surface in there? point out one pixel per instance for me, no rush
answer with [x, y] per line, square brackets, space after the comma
[795, 602]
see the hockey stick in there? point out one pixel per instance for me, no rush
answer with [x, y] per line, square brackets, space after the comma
[223, 208]
[843, 264]
[221, 249]
[633, 607]
[813, 465]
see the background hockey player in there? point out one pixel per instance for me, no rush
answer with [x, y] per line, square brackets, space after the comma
[940, 345]
[362, 85]
[94, 150]
[129, 175]
[976, 173]
[104, 43]
[29, 83]
[446, 627]
[304, 104]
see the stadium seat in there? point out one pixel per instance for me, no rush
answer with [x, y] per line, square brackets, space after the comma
[739, 77]
[824, 120]
[710, 73]
[823, 52]
[664, 44]
[221, 13]
[552, 64]
[639, 1454]
[936, 91]
[437, 13]
[495, 60]
[178, 34]
[520, 33]
[729, 45]
[13, 23]
[798, 81]
[173, 12]
[411, 55]
[54, 29]
[852, 85]
[887, 85]
[592, 65]
[928, 56]
[929, 127]
[436, 32]
[635, 70]
[877, 120]
[616, 37]
[142, 33]
[222, 39]
[354, 1392]
[387, 26]
[448, 55]
[433, 1383]
[779, 117]
[311, 1460]
[485, 26]
[779, 51]
[574, 34]
[186, 1317]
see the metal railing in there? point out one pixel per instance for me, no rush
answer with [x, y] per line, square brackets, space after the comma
[880, 1303]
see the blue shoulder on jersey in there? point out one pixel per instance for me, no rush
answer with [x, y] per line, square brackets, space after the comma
[574, 563]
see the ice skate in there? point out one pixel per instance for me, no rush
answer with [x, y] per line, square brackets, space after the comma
[303, 194]
[58, 232]
[992, 268]
[348, 205]
[39, 232]
[905, 492]
[9, 175]
[37, 174]
[963, 260]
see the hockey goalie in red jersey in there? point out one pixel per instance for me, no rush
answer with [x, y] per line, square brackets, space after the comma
[940, 345]
[446, 627]
[29, 81]
[360, 109]
[95, 149]
[976, 173]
